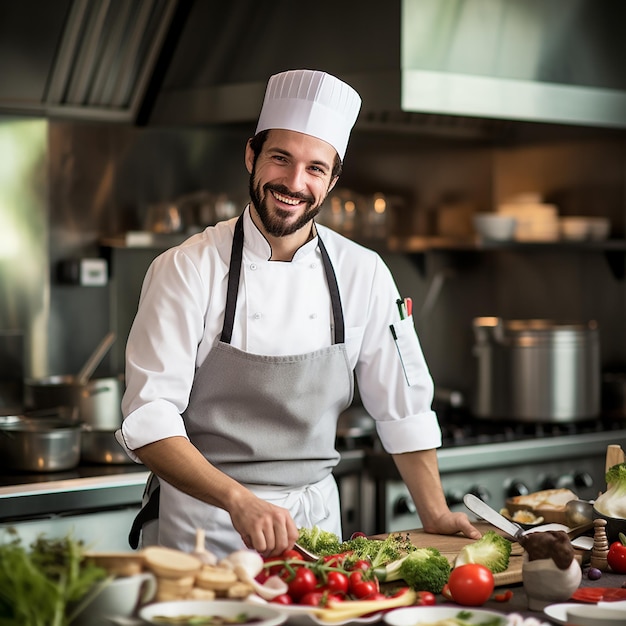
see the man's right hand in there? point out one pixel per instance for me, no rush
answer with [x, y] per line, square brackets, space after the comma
[264, 527]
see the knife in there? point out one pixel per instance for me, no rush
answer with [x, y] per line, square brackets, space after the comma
[483, 510]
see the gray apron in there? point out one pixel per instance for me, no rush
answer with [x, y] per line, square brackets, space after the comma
[269, 422]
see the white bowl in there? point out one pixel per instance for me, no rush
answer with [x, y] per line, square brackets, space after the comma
[599, 228]
[416, 615]
[495, 227]
[574, 228]
[266, 615]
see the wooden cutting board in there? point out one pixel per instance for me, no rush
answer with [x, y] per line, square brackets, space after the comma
[451, 545]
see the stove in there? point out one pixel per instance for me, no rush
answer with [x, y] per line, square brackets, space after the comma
[499, 460]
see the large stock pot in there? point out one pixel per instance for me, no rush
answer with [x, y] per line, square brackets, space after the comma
[536, 370]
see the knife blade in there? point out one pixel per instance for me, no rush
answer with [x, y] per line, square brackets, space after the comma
[483, 510]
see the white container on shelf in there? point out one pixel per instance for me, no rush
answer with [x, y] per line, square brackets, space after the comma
[535, 221]
[494, 227]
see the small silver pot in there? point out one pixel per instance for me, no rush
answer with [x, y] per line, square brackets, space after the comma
[96, 403]
[101, 447]
[39, 444]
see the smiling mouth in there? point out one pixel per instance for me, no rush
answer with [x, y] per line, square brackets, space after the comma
[286, 199]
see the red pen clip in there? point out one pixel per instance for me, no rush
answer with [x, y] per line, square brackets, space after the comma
[408, 303]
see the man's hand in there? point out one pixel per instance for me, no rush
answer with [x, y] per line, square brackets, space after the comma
[264, 527]
[451, 523]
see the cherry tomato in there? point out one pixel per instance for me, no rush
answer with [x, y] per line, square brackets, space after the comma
[335, 560]
[616, 558]
[337, 583]
[291, 555]
[426, 598]
[471, 584]
[361, 564]
[376, 596]
[319, 598]
[362, 588]
[283, 598]
[505, 596]
[303, 582]
[445, 592]
[312, 598]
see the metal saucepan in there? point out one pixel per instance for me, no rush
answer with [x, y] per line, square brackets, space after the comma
[101, 447]
[96, 403]
[39, 444]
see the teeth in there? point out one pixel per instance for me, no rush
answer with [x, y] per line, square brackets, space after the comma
[285, 199]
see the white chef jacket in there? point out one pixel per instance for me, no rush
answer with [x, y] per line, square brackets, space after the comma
[283, 308]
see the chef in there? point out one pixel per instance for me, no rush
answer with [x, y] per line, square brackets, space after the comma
[246, 343]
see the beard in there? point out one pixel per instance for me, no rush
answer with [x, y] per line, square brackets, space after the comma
[277, 223]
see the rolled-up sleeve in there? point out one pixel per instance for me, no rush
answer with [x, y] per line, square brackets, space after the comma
[400, 401]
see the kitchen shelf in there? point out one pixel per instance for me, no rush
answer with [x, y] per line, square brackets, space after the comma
[614, 250]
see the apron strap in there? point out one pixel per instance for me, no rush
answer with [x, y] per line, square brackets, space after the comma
[149, 512]
[234, 273]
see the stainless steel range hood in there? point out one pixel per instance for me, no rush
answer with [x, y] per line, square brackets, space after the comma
[555, 61]
[458, 65]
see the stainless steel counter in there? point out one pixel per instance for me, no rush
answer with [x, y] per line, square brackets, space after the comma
[86, 488]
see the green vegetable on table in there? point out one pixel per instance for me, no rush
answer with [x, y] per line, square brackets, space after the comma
[612, 502]
[423, 569]
[318, 541]
[43, 585]
[491, 550]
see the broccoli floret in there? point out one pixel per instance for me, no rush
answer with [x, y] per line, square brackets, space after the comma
[378, 552]
[423, 569]
[491, 550]
[318, 541]
[612, 502]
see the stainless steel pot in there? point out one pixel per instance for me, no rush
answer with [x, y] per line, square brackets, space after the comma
[536, 370]
[96, 402]
[39, 444]
[101, 447]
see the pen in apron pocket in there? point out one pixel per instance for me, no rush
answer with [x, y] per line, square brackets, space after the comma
[401, 308]
[408, 306]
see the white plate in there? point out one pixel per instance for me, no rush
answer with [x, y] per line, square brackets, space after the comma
[303, 616]
[415, 615]
[223, 608]
[558, 612]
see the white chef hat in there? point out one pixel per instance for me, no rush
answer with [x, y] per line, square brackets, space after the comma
[311, 102]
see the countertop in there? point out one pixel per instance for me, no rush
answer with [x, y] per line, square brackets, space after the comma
[28, 495]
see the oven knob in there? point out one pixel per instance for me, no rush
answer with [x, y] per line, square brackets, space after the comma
[454, 497]
[583, 479]
[516, 488]
[480, 492]
[404, 505]
[548, 482]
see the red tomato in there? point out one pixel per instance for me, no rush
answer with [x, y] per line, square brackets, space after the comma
[290, 555]
[337, 583]
[505, 596]
[616, 558]
[319, 598]
[445, 592]
[361, 564]
[471, 584]
[313, 598]
[283, 598]
[425, 598]
[303, 582]
[335, 560]
[361, 586]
